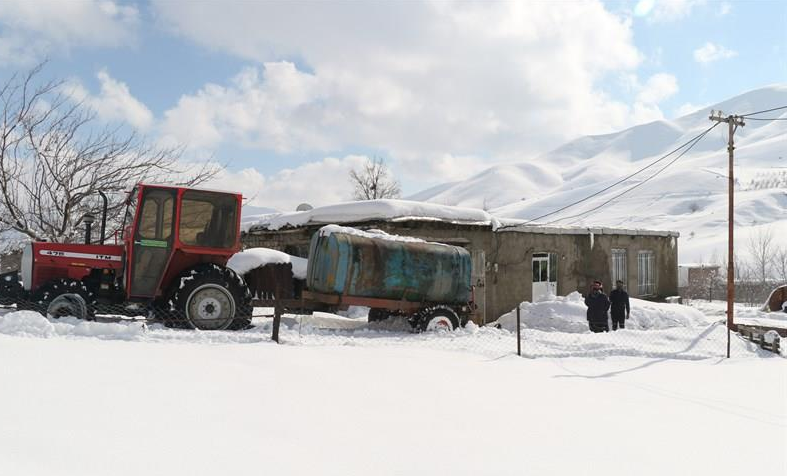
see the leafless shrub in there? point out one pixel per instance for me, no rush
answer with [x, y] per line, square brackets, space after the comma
[374, 181]
[55, 157]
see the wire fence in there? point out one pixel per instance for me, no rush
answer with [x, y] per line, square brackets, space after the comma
[532, 335]
[691, 342]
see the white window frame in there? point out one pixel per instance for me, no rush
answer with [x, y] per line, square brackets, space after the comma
[619, 265]
[646, 273]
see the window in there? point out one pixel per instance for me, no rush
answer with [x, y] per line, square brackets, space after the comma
[208, 219]
[544, 267]
[155, 218]
[646, 274]
[618, 266]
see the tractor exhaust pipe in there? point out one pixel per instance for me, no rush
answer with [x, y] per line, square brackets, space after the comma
[88, 218]
[103, 217]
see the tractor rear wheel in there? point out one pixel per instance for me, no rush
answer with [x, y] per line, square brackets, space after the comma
[47, 294]
[210, 297]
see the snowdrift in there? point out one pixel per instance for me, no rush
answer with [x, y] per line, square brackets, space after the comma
[568, 314]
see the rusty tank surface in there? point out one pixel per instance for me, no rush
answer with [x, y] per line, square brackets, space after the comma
[344, 261]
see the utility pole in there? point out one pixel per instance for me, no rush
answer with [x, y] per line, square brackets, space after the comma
[732, 123]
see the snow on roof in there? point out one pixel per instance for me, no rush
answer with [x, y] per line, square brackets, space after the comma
[526, 227]
[406, 210]
[385, 210]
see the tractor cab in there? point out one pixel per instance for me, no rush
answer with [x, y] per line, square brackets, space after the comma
[169, 229]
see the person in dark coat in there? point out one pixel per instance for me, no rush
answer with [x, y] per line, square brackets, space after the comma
[598, 305]
[620, 306]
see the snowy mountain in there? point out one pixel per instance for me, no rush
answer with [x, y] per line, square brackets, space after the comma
[689, 196]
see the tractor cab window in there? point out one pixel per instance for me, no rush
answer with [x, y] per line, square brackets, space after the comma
[208, 219]
[155, 218]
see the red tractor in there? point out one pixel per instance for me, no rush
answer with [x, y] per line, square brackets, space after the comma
[171, 264]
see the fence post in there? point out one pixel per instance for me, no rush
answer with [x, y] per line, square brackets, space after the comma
[518, 333]
[276, 314]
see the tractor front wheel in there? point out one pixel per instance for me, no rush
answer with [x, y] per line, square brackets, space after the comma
[47, 295]
[67, 305]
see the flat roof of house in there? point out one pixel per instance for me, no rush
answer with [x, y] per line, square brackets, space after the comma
[388, 210]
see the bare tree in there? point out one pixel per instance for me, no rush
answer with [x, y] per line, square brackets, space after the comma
[780, 263]
[374, 180]
[55, 158]
[761, 250]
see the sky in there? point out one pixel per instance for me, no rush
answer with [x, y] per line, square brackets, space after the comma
[293, 95]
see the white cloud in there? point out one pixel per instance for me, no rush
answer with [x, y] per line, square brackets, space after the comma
[710, 52]
[647, 96]
[658, 88]
[665, 10]
[31, 30]
[643, 7]
[725, 8]
[317, 183]
[688, 108]
[114, 102]
[420, 81]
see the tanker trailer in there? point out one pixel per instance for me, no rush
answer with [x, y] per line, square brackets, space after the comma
[427, 282]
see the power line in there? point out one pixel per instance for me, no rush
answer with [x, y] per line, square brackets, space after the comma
[702, 134]
[766, 119]
[587, 212]
[766, 110]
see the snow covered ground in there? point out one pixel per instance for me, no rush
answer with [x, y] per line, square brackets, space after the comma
[342, 396]
[86, 406]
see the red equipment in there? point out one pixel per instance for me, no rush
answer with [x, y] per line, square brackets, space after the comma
[175, 245]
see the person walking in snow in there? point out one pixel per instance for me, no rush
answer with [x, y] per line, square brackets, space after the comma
[598, 305]
[619, 299]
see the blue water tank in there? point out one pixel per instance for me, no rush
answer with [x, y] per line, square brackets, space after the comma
[347, 262]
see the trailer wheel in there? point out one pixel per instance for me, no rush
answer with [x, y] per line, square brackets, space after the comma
[377, 314]
[49, 292]
[438, 318]
[67, 305]
[210, 297]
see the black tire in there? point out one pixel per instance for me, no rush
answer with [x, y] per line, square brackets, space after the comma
[438, 317]
[377, 314]
[67, 305]
[211, 297]
[46, 294]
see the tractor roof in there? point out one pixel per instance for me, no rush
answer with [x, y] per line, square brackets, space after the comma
[184, 187]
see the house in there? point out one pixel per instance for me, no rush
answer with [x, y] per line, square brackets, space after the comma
[513, 261]
[700, 280]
